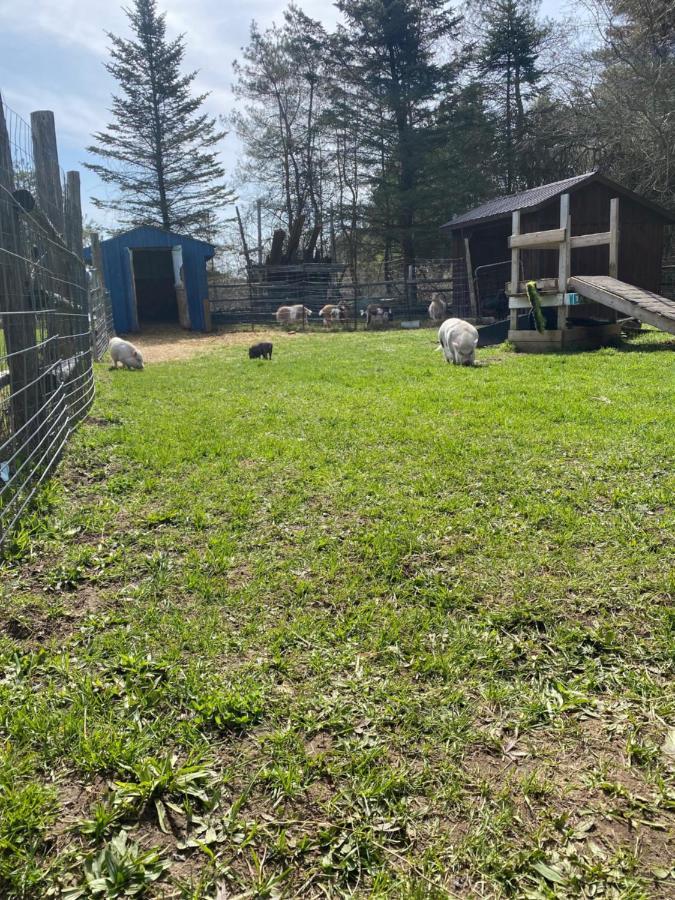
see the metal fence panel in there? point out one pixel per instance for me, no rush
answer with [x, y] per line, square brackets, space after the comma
[46, 374]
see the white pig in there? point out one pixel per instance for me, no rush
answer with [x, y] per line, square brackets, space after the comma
[458, 340]
[124, 352]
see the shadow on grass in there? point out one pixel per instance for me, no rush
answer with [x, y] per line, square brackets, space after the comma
[646, 346]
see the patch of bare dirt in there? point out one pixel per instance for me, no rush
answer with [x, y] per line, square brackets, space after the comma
[170, 343]
[36, 625]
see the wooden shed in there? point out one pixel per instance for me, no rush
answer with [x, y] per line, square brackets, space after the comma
[594, 248]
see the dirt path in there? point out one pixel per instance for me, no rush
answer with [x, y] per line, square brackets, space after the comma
[166, 343]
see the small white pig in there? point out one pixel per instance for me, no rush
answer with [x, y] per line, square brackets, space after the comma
[124, 352]
[458, 340]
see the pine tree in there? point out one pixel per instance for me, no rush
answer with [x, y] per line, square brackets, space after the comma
[508, 56]
[389, 51]
[160, 151]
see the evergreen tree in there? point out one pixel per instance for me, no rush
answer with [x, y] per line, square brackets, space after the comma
[160, 150]
[508, 59]
[389, 53]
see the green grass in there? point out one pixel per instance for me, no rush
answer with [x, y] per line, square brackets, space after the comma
[353, 622]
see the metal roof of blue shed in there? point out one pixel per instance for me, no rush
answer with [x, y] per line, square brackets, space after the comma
[151, 236]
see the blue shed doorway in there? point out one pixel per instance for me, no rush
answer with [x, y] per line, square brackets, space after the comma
[154, 285]
[136, 265]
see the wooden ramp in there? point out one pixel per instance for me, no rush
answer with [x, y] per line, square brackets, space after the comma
[626, 299]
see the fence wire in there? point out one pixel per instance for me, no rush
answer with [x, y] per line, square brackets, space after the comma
[46, 374]
[315, 286]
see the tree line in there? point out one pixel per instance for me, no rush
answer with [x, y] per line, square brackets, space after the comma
[405, 113]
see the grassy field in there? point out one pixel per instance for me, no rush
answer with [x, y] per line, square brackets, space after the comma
[350, 623]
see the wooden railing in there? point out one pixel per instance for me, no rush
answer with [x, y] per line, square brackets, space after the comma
[561, 239]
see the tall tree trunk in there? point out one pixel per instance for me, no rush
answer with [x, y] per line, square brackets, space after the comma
[406, 180]
[509, 130]
[158, 149]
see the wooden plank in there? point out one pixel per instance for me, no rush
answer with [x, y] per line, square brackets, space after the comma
[590, 240]
[614, 237]
[523, 302]
[564, 254]
[515, 253]
[662, 318]
[544, 286]
[469, 278]
[538, 240]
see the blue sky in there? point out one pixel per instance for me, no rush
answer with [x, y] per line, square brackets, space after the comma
[52, 54]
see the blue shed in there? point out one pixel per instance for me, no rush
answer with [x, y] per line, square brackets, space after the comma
[156, 276]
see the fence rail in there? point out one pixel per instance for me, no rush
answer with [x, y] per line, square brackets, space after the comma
[46, 325]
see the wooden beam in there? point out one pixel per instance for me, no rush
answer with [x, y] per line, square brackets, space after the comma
[614, 237]
[469, 277]
[565, 250]
[590, 240]
[538, 240]
[544, 286]
[515, 253]
[523, 301]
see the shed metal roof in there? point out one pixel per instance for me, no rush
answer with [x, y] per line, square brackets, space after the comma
[144, 235]
[500, 207]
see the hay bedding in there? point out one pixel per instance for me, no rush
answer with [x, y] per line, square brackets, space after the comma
[173, 343]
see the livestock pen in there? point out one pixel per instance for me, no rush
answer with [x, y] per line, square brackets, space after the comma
[255, 301]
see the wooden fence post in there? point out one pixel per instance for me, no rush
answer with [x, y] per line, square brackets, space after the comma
[73, 214]
[18, 319]
[96, 255]
[47, 171]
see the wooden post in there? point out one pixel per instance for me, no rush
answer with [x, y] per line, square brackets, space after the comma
[96, 255]
[47, 171]
[17, 319]
[73, 213]
[259, 205]
[208, 322]
[564, 253]
[515, 254]
[614, 237]
[469, 276]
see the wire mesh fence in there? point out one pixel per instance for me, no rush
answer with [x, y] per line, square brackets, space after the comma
[46, 375]
[100, 313]
[332, 299]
